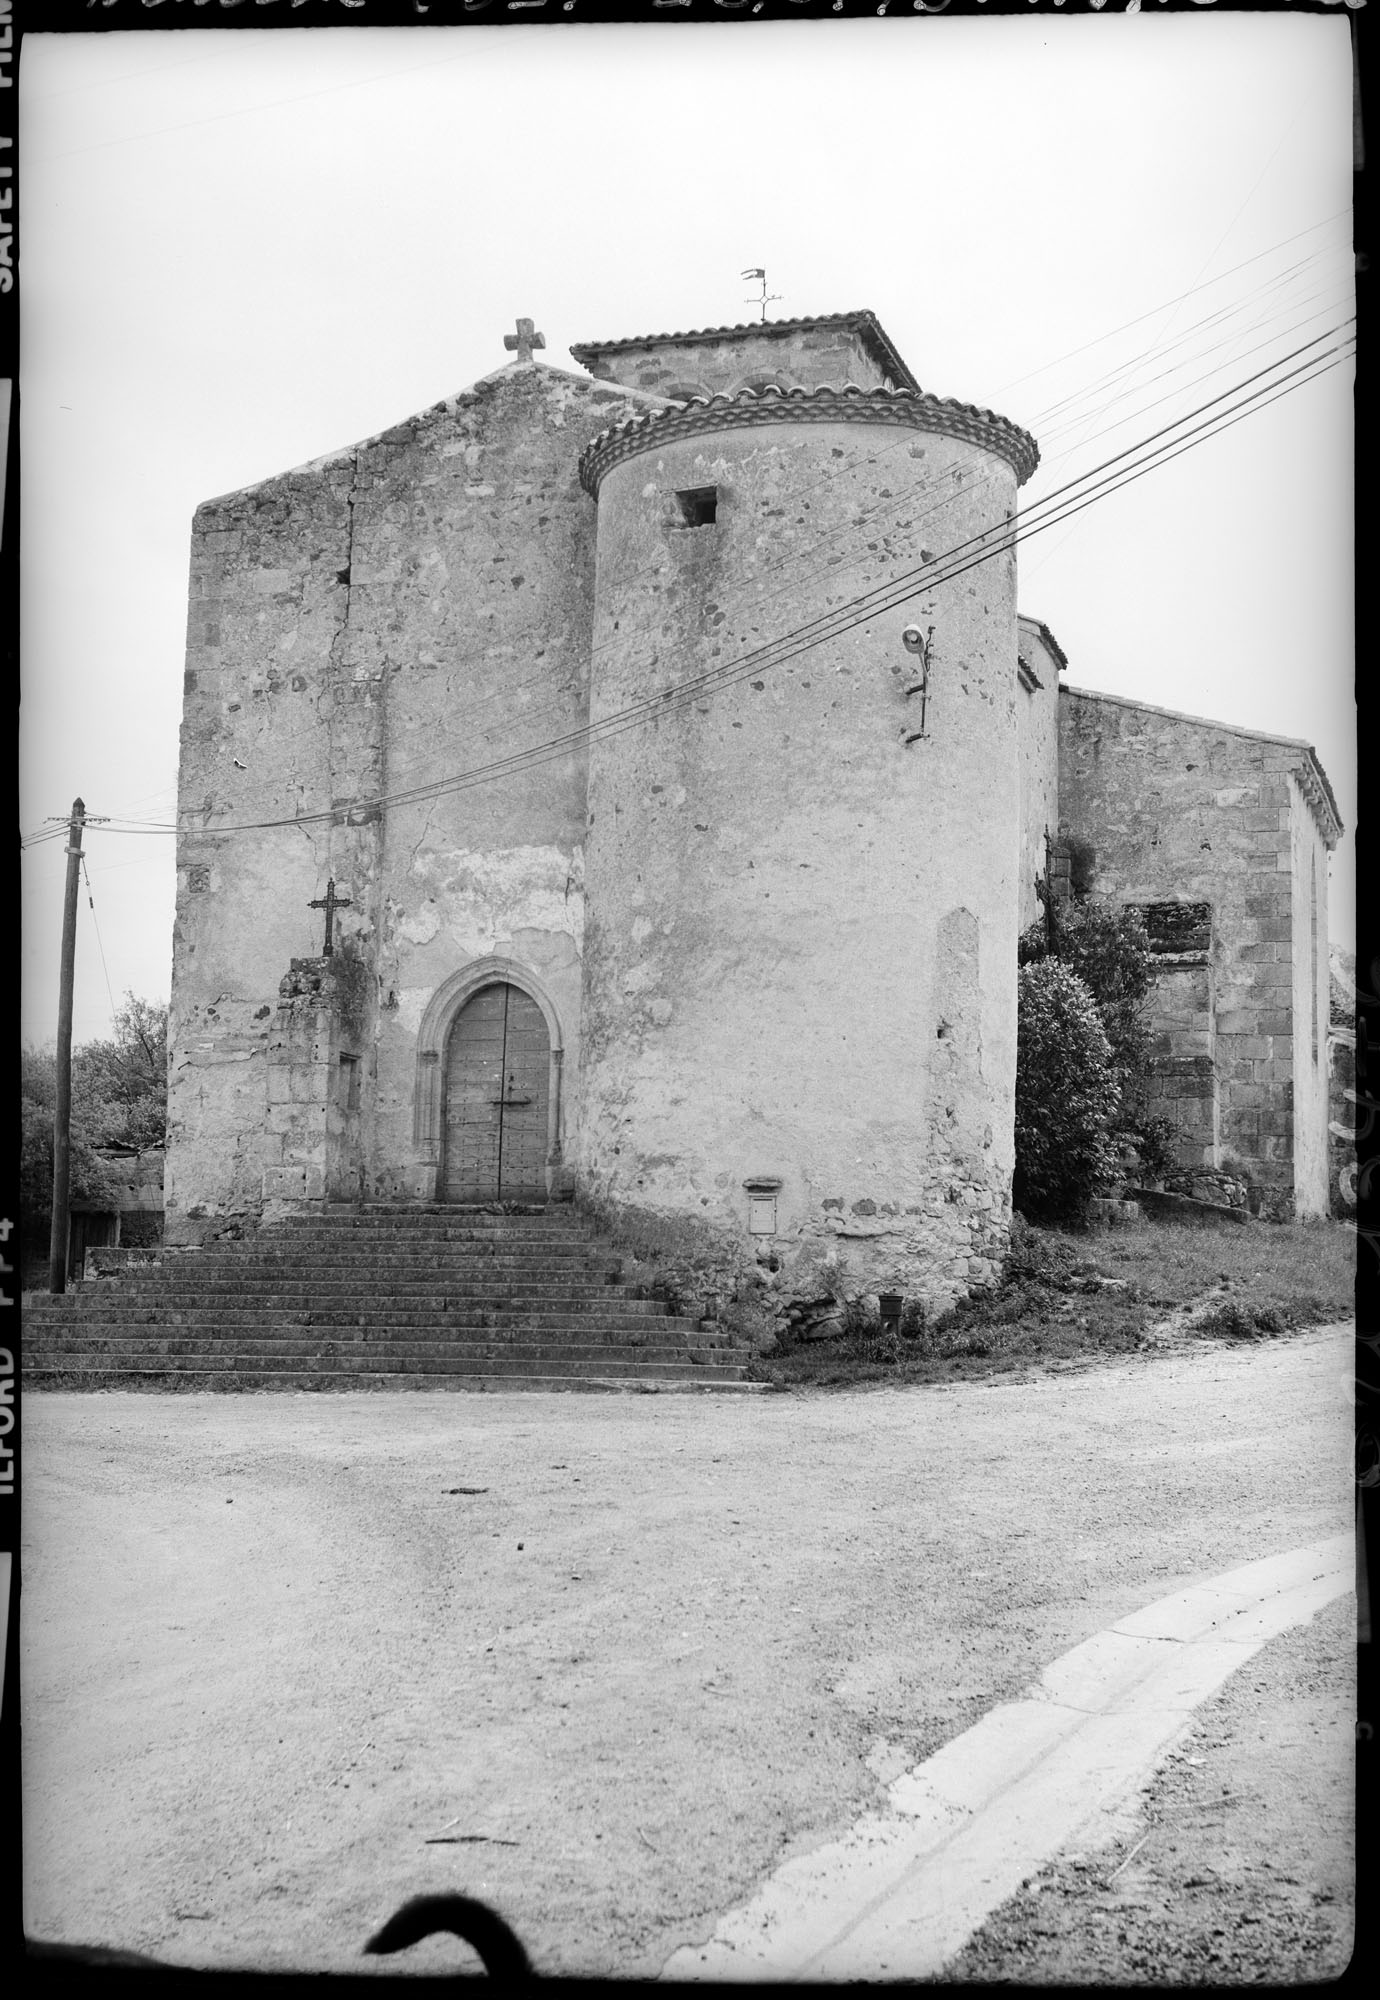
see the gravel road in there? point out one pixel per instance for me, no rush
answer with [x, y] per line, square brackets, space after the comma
[280, 1674]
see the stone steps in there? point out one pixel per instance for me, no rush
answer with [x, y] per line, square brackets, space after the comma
[346, 1306]
[385, 1357]
[377, 1299]
[286, 1277]
[319, 1378]
[664, 1335]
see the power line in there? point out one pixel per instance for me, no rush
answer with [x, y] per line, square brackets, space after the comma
[91, 901]
[1159, 448]
[1072, 353]
[811, 551]
[873, 456]
[1219, 317]
[776, 652]
[1279, 332]
[927, 576]
[832, 625]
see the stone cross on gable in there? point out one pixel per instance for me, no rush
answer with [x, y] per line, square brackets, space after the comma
[524, 340]
[330, 903]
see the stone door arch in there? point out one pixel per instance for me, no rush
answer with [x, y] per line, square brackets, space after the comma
[489, 1010]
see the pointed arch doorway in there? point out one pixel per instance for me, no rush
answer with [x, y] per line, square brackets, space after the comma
[496, 1099]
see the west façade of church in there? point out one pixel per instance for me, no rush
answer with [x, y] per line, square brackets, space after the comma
[619, 781]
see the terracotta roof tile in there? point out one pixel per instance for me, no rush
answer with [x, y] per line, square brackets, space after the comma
[864, 323]
[750, 407]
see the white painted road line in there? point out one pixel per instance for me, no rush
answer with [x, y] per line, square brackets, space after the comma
[903, 1890]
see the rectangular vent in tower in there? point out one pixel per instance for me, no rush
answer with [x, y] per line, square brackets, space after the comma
[699, 506]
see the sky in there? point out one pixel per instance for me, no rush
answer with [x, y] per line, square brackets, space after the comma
[243, 250]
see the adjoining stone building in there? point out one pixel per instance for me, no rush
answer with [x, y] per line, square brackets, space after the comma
[677, 812]
[1221, 837]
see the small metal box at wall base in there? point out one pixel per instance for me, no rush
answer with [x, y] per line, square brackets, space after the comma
[761, 1194]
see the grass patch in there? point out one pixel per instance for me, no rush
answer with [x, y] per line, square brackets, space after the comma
[1070, 1300]
[689, 1265]
[1305, 1267]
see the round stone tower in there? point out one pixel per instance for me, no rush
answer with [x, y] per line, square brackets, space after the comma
[801, 897]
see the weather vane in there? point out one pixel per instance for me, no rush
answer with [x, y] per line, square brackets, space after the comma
[767, 298]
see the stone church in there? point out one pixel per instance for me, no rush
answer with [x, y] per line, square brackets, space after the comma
[634, 781]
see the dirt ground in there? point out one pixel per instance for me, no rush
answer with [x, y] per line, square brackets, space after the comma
[1237, 1862]
[280, 1674]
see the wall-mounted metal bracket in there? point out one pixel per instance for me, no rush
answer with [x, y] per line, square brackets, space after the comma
[918, 642]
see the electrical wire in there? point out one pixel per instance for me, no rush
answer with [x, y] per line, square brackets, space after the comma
[91, 900]
[791, 644]
[1072, 353]
[1036, 518]
[1111, 475]
[1050, 432]
[700, 687]
[812, 551]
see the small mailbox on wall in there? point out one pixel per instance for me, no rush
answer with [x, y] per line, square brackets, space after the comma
[761, 1194]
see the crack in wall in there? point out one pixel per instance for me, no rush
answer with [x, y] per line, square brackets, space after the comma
[346, 577]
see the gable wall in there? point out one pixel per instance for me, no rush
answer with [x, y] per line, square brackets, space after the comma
[1180, 809]
[474, 585]
[265, 616]
[806, 358]
[376, 624]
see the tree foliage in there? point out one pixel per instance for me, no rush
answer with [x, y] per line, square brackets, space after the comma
[119, 1097]
[1067, 1093]
[1109, 951]
[122, 1084]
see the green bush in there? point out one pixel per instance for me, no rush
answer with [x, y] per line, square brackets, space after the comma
[1108, 949]
[1036, 1258]
[1068, 1093]
[1238, 1321]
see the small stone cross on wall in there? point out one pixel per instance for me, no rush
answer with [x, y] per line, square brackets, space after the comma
[330, 903]
[524, 340]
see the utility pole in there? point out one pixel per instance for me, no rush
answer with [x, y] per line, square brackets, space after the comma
[62, 1114]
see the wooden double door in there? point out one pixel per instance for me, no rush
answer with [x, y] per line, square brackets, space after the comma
[497, 1099]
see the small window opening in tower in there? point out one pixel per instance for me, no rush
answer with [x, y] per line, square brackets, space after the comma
[699, 506]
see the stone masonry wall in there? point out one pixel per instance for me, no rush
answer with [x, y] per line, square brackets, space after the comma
[1038, 727]
[316, 1047]
[801, 931]
[266, 612]
[804, 357]
[382, 621]
[1342, 1117]
[472, 602]
[1311, 1005]
[1185, 810]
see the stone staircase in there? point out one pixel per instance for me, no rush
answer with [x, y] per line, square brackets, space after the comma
[378, 1298]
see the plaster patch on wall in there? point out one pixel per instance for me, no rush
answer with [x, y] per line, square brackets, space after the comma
[412, 1004]
[421, 928]
[488, 896]
[495, 893]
